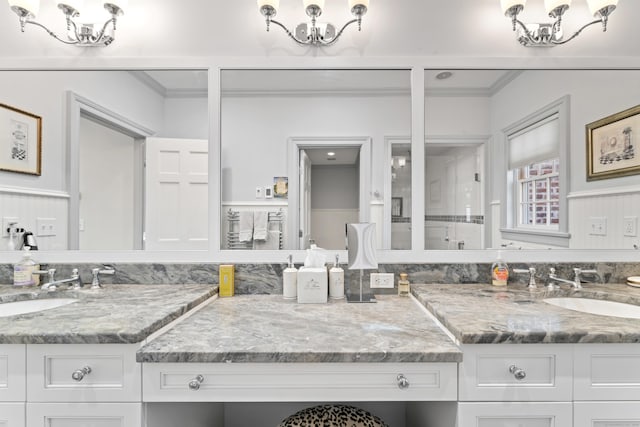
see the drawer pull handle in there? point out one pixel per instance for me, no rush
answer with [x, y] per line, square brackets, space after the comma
[403, 382]
[194, 384]
[518, 373]
[79, 374]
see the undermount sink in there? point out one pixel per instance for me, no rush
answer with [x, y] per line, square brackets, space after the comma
[32, 306]
[595, 306]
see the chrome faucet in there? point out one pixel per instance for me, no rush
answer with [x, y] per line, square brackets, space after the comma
[74, 281]
[532, 275]
[575, 283]
[96, 272]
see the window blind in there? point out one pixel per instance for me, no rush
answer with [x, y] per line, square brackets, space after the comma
[537, 142]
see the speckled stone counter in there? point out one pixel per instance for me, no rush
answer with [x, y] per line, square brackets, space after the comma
[113, 314]
[267, 328]
[486, 314]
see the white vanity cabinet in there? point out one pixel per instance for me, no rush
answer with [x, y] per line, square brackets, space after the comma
[83, 385]
[12, 385]
[515, 385]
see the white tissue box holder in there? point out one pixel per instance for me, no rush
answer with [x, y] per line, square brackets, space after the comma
[313, 285]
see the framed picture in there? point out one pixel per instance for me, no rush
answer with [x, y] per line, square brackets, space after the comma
[611, 142]
[20, 141]
[396, 207]
[280, 187]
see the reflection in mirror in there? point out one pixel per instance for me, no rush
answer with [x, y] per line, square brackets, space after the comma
[99, 128]
[506, 155]
[400, 202]
[281, 126]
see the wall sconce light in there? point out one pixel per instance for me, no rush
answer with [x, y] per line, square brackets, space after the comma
[79, 33]
[551, 34]
[317, 34]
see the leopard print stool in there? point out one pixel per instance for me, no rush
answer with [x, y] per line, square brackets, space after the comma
[333, 416]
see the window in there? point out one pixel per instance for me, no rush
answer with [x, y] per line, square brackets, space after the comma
[536, 186]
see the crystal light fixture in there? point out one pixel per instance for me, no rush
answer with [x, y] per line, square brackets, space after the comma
[551, 34]
[316, 34]
[79, 32]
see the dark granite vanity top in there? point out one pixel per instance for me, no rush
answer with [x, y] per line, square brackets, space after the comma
[487, 314]
[267, 328]
[113, 314]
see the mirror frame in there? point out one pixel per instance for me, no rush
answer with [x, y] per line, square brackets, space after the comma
[417, 67]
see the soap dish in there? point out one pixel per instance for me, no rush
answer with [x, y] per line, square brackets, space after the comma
[634, 281]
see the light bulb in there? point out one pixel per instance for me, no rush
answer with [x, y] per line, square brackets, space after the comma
[550, 5]
[273, 3]
[319, 3]
[508, 4]
[596, 5]
[33, 6]
[75, 4]
[353, 3]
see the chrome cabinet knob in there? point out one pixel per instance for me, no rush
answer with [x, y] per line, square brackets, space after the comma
[195, 383]
[79, 374]
[403, 382]
[518, 373]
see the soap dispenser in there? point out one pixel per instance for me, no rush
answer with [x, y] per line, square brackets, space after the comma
[23, 270]
[499, 272]
[336, 280]
[290, 281]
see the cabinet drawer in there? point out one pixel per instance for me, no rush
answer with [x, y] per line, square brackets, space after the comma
[267, 382]
[516, 414]
[607, 414]
[84, 414]
[12, 372]
[607, 372]
[103, 372]
[12, 414]
[516, 372]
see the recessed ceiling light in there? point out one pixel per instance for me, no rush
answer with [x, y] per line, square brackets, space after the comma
[331, 154]
[444, 75]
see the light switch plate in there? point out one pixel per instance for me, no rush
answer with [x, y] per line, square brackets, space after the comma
[6, 220]
[598, 226]
[258, 192]
[382, 280]
[630, 225]
[46, 227]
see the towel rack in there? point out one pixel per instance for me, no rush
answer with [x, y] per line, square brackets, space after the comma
[274, 223]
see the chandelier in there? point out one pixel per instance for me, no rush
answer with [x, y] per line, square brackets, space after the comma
[551, 34]
[79, 32]
[316, 34]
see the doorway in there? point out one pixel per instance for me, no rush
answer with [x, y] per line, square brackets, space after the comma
[327, 194]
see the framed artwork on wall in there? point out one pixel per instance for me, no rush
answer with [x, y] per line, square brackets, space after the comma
[20, 141]
[611, 142]
[280, 187]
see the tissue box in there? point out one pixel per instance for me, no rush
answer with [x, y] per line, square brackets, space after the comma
[312, 285]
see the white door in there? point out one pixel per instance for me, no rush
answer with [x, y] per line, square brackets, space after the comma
[176, 203]
[305, 200]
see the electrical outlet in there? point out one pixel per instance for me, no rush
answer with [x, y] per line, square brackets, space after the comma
[630, 226]
[46, 227]
[258, 192]
[382, 280]
[6, 221]
[598, 226]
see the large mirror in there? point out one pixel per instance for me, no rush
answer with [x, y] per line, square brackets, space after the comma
[124, 160]
[302, 154]
[506, 159]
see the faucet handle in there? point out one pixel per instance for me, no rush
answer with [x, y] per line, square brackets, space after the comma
[532, 275]
[96, 272]
[579, 271]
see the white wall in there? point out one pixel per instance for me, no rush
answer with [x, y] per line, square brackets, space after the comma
[107, 169]
[255, 131]
[186, 118]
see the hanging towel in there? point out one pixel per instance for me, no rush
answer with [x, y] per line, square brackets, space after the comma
[245, 227]
[260, 224]
[272, 242]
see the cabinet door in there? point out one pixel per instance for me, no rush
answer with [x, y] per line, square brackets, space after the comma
[607, 414]
[83, 373]
[547, 414]
[84, 415]
[607, 372]
[12, 372]
[11, 414]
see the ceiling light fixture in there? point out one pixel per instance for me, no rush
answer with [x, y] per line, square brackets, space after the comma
[316, 34]
[79, 32]
[551, 34]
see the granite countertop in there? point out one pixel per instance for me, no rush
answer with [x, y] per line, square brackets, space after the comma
[267, 328]
[477, 314]
[113, 314]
